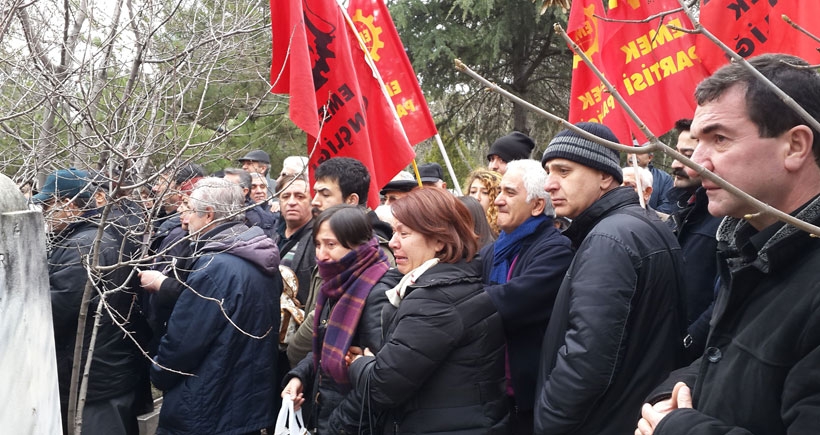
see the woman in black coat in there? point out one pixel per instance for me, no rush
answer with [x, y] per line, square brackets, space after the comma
[441, 366]
[348, 312]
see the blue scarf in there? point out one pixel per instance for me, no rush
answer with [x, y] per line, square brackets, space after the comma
[508, 245]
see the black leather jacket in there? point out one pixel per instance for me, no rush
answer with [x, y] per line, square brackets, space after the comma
[116, 366]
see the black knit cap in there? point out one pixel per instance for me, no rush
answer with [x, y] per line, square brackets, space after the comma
[569, 145]
[514, 146]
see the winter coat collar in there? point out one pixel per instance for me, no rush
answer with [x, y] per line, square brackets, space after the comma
[444, 274]
[734, 233]
[584, 223]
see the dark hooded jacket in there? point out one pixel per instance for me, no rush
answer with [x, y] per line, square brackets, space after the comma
[441, 366]
[759, 373]
[261, 216]
[618, 323]
[233, 389]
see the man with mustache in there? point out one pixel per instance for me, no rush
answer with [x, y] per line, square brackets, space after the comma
[696, 230]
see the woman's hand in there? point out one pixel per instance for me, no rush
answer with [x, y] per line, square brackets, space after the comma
[150, 280]
[293, 390]
[355, 353]
[352, 354]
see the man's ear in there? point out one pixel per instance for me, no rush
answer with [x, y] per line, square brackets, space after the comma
[800, 139]
[352, 199]
[607, 181]
[538, 206]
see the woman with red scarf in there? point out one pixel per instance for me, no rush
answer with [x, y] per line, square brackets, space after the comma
[348, 313]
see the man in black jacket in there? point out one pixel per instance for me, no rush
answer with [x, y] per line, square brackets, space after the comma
[73, 224]
[759, 371]
[260, 214]
[295, 239]
[523, 270]
[696, 230]
[618, 323]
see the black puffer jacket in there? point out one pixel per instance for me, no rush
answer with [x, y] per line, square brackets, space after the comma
[441, 368]
[116, 363]
[759, 373]
[320, 387]
[618, 324]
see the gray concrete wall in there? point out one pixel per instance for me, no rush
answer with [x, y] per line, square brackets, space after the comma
[30, 402]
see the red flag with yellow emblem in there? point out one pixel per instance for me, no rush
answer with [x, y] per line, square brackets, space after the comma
[590, 101]
[335, 96]
[379, 34]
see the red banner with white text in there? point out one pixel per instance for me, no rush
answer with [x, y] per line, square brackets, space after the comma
[379, 34]
[334, 96]
[653, 67]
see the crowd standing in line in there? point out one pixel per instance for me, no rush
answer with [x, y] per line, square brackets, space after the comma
[547, 301]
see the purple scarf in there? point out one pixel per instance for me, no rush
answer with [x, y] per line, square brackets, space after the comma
[348, 281]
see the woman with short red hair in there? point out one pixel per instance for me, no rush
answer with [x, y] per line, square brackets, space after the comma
[441, 365]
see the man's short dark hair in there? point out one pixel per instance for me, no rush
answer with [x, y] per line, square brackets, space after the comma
[187, 172]
[683, 124]
[791, 74]
[351, 175]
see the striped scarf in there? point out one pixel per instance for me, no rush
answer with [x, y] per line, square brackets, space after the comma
[347, 281]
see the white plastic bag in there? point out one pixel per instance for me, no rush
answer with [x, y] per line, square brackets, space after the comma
[289, 422]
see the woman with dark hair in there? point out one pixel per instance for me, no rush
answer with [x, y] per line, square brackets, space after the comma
[348, 312]
[441, 366]
[482, 228]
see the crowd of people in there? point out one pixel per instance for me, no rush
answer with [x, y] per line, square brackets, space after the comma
[569, 295]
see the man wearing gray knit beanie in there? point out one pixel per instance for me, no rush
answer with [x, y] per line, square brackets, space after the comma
[617, 325]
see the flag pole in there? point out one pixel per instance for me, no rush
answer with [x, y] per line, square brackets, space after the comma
[456, 186]
[378, 76]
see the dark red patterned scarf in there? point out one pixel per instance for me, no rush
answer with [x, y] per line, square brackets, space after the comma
[348, 281]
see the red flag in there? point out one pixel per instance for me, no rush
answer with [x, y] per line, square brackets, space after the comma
[335, 96]
[655, 69]
[751, 28]
[589, 98]
[379, 34]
